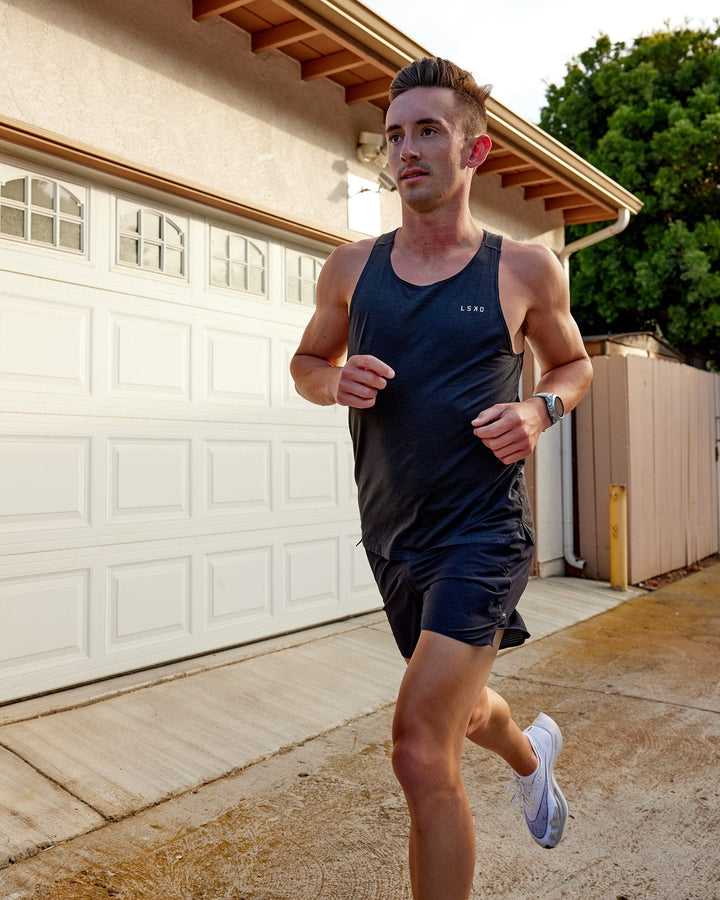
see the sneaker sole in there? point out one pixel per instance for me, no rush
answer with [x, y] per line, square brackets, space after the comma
[559, 818]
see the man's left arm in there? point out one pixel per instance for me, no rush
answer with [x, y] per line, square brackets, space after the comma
[512, 430]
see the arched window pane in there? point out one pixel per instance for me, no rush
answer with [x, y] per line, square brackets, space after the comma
[43, 194]
[69, 205]
[151, 225]
[14, 190]
[255, 255]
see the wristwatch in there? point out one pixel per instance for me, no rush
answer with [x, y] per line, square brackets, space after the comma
[555, 406]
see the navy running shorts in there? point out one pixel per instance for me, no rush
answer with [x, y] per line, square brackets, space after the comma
[467, 592]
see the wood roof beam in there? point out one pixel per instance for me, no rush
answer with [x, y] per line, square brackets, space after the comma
[508, 163]
[371, 90]
[520, 179]
[330, 64]
[570, 201]
[281, 35]
[553, 189]
[206, 9]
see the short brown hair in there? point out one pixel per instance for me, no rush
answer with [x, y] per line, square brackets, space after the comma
[432, 71]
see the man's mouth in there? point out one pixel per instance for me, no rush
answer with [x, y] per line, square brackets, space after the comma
[410, 174]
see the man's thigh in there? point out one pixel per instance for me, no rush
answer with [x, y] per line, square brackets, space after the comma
[442, 685]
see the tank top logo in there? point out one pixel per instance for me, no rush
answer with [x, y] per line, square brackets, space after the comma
[480, 309]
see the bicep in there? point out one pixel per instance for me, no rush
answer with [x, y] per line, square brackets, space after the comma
[550, 328]
[326, 334]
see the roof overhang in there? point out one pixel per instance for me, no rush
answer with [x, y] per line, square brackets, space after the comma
[357, 49]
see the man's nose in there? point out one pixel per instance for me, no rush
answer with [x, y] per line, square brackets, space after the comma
[408, 151]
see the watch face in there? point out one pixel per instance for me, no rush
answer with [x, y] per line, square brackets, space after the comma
[559, 407]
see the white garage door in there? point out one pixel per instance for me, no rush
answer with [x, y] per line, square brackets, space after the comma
[163, 490]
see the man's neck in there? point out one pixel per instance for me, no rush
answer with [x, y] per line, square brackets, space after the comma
[436, 234]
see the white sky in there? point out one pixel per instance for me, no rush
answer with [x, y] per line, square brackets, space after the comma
[520, 46]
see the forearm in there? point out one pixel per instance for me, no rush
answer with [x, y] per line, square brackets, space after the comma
[570, 381]
[315, 379]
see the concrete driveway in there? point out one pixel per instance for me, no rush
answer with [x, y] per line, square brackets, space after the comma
[636, 692]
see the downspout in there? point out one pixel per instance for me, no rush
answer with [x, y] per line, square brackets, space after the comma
[566, 422]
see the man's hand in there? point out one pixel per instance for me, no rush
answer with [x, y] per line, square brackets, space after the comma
[360, 379]
[511, 430]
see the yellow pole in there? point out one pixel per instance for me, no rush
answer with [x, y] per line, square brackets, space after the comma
[618, 537]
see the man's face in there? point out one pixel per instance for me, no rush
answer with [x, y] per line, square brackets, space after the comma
[428, 151]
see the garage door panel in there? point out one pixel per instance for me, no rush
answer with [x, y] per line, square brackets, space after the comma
[150, 479]
[310, 474]
[238, 477]
[149, 601]
[46, 619]
[238, 368]
[311, 574]
[44, 482]
[45, 346]
[239, 587]
[150, 358]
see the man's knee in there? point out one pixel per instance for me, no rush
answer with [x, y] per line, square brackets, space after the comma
[422, 762]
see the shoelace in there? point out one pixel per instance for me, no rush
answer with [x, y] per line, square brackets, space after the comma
[520, 792]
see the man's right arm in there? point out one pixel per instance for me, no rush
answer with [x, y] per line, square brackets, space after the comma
[317, 366]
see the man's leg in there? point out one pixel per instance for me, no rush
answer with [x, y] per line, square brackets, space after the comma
[442, 696]
[493, 728]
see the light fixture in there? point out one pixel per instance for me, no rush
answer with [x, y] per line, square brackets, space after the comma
[371, 147]
[372, 150]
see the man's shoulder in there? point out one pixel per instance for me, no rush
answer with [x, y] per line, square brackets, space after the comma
[353, 254]
[530, 263]
[345, 264]
[527, 253]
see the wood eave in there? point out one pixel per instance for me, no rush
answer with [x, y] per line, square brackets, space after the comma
[349, 44]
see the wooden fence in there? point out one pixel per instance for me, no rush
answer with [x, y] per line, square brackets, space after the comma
[648, 424]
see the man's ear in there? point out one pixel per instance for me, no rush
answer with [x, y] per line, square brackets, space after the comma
[481, 146]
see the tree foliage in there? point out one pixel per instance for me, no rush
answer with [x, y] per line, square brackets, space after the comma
[648, 115]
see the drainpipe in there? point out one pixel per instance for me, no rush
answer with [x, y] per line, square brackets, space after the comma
[566, 422]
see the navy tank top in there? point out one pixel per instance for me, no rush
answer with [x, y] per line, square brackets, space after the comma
[424, 480]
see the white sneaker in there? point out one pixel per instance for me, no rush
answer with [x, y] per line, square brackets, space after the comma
[538, 795]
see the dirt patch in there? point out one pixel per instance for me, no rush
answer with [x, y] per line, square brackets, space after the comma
[652, 584]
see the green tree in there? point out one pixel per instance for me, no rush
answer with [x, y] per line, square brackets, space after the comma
[648, 115]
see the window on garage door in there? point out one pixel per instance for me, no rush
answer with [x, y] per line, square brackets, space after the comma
[301, 275]
[42, 211]
[238, 262]
[150, 239]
